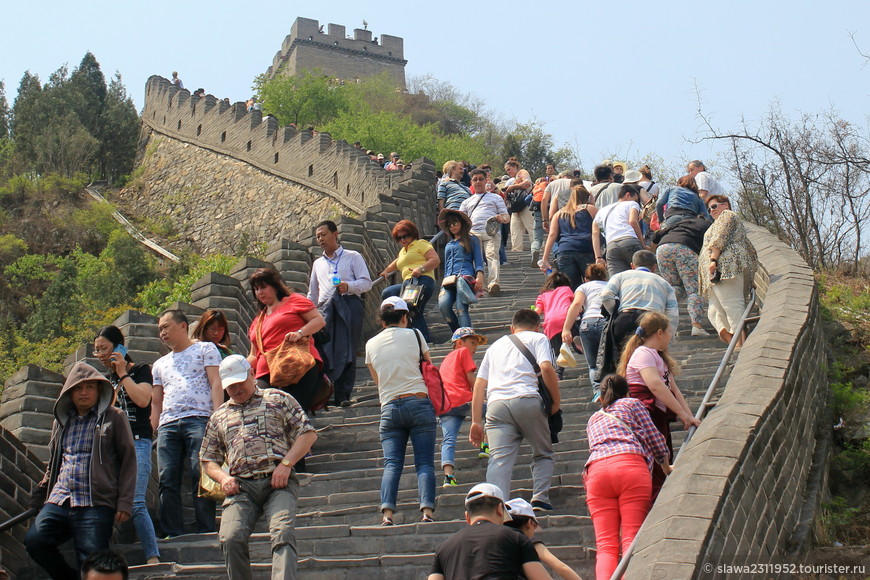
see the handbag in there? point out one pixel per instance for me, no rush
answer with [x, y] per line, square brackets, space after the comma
[412, 290]
[493, 226]
[466, 290]
[448, 281]
[288, 362]
[209, 488]
[432, 377]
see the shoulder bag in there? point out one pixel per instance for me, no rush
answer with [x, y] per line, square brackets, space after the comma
[555, 420]
[432, 377]
[288, 362]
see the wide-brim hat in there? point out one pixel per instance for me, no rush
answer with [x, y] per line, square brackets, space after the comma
[446, 213]
[632, 176]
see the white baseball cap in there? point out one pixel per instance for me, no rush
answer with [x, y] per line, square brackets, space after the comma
[520, 507]
[487, 490]
[396, 302]
[234, 369]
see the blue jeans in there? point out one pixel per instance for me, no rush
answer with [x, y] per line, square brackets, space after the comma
[590, 338]
[177, 442]
[450, 424]
[401, 419]
[141, 518]
[89, 527]
[447, 299]
[418, 318]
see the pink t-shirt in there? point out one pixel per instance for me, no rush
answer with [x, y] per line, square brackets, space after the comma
[645, 357]
[553, 306]
[454, 374]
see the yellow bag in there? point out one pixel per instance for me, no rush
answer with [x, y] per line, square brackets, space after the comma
[209, 488]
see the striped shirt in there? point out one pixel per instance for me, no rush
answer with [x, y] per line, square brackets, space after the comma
[608, 437]
[74, 478]
[452, 193]
[640, 289]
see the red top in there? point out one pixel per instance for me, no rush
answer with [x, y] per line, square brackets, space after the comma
[454, 374]
[286, 317]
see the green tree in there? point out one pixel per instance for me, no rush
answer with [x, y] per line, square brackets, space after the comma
[4, 113]
[27, 116]
[89, 85]
[120, 132]
[533, 148]
[59, 308]
[310, 98]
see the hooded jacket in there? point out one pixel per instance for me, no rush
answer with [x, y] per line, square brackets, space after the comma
[113, 459]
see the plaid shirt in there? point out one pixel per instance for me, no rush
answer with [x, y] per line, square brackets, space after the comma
[608, 437]
[253, 437]
[74, 477]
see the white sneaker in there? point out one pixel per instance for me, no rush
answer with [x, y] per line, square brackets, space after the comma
[699, 331]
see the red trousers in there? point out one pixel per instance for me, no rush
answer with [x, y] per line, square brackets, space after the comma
[618, 493]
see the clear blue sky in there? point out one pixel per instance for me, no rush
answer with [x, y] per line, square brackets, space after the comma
[614, 77]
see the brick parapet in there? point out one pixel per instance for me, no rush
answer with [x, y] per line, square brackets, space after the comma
[740, 481]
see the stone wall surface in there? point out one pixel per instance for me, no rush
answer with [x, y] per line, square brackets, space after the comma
[740, 482]
[20, 470]
[226, 178]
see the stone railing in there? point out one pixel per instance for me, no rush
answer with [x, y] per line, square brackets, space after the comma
[20, 470]
[740, 482]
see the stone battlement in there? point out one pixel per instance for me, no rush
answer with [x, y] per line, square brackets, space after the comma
[335, 53]
[223, 176]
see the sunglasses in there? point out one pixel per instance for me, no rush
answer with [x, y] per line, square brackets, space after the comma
[403, 237]
[716, 205]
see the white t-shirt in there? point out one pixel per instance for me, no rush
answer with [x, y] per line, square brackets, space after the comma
[395, 356]
[186, 390]
[605, 193]
[617, 227]
[508, 372]
[484, 205]
[651, 191]
[708, 183]
[592, 291]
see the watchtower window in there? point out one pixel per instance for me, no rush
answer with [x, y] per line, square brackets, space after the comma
[198, 130]
[311, 170]
[223, 136]
[179, 124]
[249, 145]
[276, 157]
[193, 111]
[335, 179]
[347, 191]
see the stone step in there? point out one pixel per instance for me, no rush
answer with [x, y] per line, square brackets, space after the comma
[337, 525]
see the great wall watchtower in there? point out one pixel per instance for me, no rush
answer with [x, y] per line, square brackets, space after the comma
[336, 54]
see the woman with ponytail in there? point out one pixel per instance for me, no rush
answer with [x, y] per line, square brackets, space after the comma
[650, 370]
[623, 446]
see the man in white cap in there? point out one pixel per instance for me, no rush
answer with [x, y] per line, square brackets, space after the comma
[260, 434]
[487, 548]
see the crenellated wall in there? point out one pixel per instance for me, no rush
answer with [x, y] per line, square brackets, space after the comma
[20, 471]
[224, 177]
[338, 55]
[737, 490]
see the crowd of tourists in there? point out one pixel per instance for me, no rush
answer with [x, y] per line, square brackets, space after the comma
[615, 254]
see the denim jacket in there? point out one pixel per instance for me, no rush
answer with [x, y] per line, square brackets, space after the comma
[458, 262]
[682, 199]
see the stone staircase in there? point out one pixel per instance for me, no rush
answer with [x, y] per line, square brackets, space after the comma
[338, 531]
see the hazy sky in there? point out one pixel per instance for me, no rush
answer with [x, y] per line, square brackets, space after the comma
[609, 78]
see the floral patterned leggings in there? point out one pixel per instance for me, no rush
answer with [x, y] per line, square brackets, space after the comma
[679, 266]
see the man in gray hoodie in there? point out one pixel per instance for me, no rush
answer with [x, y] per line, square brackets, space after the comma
[90, 477]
